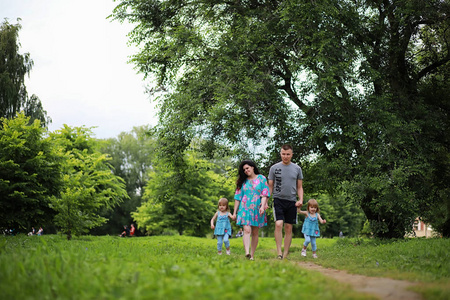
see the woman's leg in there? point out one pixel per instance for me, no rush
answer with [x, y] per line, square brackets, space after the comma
[246, 239]
[255, 237]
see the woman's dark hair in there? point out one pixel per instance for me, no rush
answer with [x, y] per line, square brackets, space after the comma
[241, 174]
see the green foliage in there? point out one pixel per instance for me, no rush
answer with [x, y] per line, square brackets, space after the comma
[184, 199]
[13, 68]
[334, 78]
[88, 183]
[132, 154]
[29, 174]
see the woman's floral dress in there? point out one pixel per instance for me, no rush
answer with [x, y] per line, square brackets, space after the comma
[250, 200]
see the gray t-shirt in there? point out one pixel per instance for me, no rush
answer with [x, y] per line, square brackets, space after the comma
[285, 180]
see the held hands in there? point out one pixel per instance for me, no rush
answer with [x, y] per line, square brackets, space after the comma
[212, 226]
[262, 209]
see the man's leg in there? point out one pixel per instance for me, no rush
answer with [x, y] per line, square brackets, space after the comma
[278, 235]
[287, 238]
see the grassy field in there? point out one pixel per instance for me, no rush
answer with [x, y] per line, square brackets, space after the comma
[177, 267]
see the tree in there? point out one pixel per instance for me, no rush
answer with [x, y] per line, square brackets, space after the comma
[337, 79]
[132, 154]
[13, 68]
[183, 199]
[89, 184]
[29, 174]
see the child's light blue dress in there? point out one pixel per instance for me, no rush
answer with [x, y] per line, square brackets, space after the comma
[311, 226]
[223, 225]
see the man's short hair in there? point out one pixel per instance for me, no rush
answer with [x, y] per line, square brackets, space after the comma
[287, 147]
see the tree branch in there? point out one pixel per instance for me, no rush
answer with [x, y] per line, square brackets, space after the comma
[431, 68]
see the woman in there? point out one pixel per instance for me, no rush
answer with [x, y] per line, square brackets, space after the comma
[252, 193]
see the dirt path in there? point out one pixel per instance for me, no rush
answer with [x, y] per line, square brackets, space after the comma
[384, 288]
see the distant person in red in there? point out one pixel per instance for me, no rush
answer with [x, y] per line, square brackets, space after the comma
[132, 230]
[125, 232]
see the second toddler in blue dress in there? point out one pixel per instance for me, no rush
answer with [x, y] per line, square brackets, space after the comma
[222, 230]
[311, 226]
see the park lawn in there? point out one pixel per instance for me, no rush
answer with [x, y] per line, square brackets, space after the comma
[179, 267]
[162, 267]
[418, 260]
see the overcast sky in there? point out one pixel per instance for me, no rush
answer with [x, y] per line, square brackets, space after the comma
[80, 71]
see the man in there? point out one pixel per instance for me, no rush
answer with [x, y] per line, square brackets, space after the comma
[285, 185]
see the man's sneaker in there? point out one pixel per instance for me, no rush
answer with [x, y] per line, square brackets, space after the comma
[220, 252]
[314, 255]
[228, 252]
[304, 252]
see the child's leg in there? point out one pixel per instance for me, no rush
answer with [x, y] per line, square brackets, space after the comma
[313, 244]
[226, 240]
[307, 241]
[305, 244]
[219, 243]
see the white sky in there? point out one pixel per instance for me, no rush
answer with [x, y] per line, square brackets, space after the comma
[80, 71]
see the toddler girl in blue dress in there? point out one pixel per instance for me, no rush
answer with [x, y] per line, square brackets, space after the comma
[222, 230]
[311, 225]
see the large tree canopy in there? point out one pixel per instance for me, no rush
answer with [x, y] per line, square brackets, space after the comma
[360, 88]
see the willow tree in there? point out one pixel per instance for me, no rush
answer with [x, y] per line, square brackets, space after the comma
[358, 87]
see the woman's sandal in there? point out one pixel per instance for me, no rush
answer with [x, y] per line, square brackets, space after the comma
[248, 256]
[280, 257]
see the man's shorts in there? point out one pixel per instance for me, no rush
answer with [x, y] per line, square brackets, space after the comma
[284, 210]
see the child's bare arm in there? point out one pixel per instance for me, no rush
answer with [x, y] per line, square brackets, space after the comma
[302, 212]
[213, 219]
[321, 221]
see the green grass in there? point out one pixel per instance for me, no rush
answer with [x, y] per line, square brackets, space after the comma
[411, 259]
[418, 260]
[177, 267]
